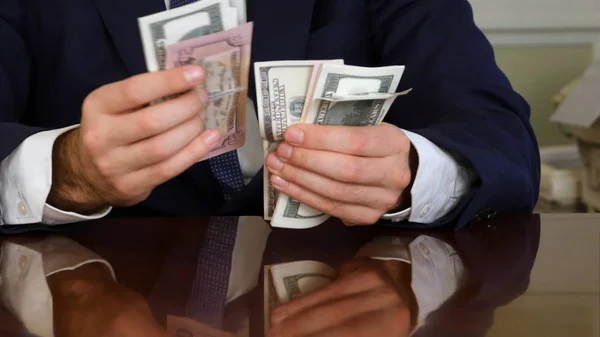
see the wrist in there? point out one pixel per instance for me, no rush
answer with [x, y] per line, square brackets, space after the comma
[83, 282]
[71, 190]
[400, 275]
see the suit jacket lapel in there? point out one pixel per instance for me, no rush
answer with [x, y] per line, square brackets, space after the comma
[120, 18]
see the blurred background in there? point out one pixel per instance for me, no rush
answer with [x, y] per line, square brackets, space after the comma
[550, 50]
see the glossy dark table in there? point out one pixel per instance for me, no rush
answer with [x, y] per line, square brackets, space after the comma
[528, 276]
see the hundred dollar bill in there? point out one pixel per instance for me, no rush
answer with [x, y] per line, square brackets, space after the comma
[240, 6]
[281, 88]
[165, 28]
[339, 95]
[225, 58]
[284, 282]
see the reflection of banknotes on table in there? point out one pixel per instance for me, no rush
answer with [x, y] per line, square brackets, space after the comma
[284, 282]
[225, 58]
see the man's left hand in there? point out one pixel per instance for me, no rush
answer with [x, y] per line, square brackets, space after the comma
[354, 173]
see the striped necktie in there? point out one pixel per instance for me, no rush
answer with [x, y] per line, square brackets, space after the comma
[226, 167]
[208, 298]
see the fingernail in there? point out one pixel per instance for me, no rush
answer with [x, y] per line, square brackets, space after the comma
[285, 151]
[277, 181]
[211, 138]
[193, 74]
[294, 135]
[274, 162]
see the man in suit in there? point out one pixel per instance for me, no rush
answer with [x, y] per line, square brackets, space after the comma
[78, 140]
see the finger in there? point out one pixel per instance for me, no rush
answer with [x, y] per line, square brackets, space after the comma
[141, 89]
[368, 141]
[390, 172]
[355, 214]
[336, 311]
[168, 169]
[373, 323]
[349, 285]
[371, 196]
[156, 119]
[155, 149]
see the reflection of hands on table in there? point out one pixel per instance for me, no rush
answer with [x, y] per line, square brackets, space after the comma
[88, 302]
[57, 287]
[368, 298]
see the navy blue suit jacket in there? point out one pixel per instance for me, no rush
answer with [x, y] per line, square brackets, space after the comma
[55, 52]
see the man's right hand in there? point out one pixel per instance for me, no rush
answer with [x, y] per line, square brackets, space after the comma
[124, 148]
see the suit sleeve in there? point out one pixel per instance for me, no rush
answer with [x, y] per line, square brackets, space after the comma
[461, 101]
[25, 151]
[15, 71]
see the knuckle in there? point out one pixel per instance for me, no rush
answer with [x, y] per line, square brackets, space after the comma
[368, 218]
[352, 170]
[300, 157]
[121, 188]
[370, 277]
[401, 178]
[171, 81]
[159, 149]
[165, 171]
[132, 92]
[89, 103]
[357, 141]
[104, 167]
[389, 202]
[401, 317]
[91, 140]
[340, 191]
[388, 294]
[330, 207]
[195, 102]
[147, 124]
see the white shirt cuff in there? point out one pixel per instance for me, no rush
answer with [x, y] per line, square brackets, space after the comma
[24, 266]
[439, 184]
[437, 269]
[26, 179]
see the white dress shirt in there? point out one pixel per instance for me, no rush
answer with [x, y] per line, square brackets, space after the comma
[26, 177]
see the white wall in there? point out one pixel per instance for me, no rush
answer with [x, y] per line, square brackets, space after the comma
[509, 22]
[537, 14]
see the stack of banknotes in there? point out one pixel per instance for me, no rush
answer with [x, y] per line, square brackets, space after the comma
[324, 92]
[284, 282]
[215, 35]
